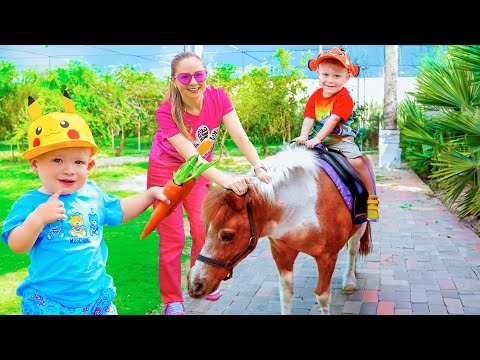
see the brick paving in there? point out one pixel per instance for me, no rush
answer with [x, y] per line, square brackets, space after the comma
[424, 262]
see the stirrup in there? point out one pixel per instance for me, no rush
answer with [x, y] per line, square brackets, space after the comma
[372, 208]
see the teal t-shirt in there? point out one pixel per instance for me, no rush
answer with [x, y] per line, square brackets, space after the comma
[68, 260]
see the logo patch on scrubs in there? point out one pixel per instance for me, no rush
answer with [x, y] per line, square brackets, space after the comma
[206, 139]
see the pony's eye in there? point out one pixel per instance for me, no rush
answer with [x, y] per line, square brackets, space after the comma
[227, 236]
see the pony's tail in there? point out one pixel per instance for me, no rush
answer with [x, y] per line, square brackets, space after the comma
[366, 244]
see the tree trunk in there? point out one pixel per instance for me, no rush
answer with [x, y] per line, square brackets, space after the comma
[389, 151]
[118, 149]
[390, 86]
[223, 148]
[112, 135]
[264, 142]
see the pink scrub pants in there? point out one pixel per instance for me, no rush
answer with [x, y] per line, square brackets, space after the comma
[172, 232]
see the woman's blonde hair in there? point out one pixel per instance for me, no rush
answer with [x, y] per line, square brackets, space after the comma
[177, 106]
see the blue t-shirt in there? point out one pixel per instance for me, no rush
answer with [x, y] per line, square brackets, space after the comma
[68, 260]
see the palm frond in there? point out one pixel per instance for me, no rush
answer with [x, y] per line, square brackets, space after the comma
[467, 58]
[439, 84]
[455, 171]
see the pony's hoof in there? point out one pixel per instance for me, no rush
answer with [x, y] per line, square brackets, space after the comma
[348, 289]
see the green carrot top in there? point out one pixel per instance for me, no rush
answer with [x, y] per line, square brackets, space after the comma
[183, 172]
[189, 170]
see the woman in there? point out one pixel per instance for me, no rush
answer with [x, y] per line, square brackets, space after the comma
[188, 124]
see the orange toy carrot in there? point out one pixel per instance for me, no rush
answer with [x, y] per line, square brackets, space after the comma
[188, 185]
[175, 190]
[171, 191]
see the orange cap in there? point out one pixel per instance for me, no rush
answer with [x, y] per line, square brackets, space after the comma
[337, 54]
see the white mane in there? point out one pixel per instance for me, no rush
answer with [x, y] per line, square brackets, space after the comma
[289, 162]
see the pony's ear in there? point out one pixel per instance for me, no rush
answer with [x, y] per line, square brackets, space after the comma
[236, 202]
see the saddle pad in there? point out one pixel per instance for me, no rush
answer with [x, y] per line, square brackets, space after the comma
[342, 188]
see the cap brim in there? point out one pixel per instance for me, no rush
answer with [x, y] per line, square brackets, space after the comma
[313, 64]
[39, 150]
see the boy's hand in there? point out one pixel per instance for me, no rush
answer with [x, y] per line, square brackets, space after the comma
[51, 210]
[157, 192]
[312, 142]
[301, 139]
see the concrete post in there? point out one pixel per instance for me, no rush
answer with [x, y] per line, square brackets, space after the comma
[389, 150]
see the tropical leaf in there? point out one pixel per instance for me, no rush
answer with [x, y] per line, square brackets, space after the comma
[464, 125]
[440, 84]
[455, 172]
[467, 57]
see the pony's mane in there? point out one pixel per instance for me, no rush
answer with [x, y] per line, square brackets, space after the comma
[220, 204]
[291, 163]
[215, 207]
[291, 159]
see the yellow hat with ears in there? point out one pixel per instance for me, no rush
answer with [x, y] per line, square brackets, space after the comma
[56, 130]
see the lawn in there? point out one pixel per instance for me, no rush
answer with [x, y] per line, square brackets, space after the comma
[133, 263]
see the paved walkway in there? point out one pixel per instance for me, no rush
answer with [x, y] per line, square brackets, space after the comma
[423, 262]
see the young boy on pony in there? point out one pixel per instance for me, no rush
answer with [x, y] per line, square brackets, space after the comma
[328, 117]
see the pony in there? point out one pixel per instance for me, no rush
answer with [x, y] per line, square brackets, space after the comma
[299, 210]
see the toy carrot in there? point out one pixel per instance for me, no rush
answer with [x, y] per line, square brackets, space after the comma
[188, 185]
[176, 189]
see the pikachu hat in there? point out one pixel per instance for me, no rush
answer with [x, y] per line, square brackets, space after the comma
[56, 130]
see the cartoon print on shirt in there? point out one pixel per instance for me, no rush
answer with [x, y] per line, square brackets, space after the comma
[77, 228]
[93, 222]
[206, 139]
[55, 229]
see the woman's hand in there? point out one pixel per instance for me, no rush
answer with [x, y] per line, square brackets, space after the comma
[263, 175]
[239, 185]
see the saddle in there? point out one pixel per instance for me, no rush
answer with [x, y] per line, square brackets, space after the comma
[350, 178]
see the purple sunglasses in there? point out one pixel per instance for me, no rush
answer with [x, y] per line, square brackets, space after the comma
[185, 78]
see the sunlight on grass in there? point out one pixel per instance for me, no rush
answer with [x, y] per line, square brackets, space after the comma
[9, 301]
[235, 165]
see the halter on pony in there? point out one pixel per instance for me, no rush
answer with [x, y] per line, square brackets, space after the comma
[229, 265]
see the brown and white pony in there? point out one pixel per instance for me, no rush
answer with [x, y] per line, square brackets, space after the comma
[299, 210]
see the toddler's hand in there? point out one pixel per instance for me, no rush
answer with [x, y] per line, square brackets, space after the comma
[51, 210]
[312, 142]
[301, 139]
[159, 195]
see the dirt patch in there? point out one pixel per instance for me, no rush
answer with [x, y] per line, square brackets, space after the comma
[119, 160]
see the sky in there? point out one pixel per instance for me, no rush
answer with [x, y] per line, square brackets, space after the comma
[154, 58]
[157, 58]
